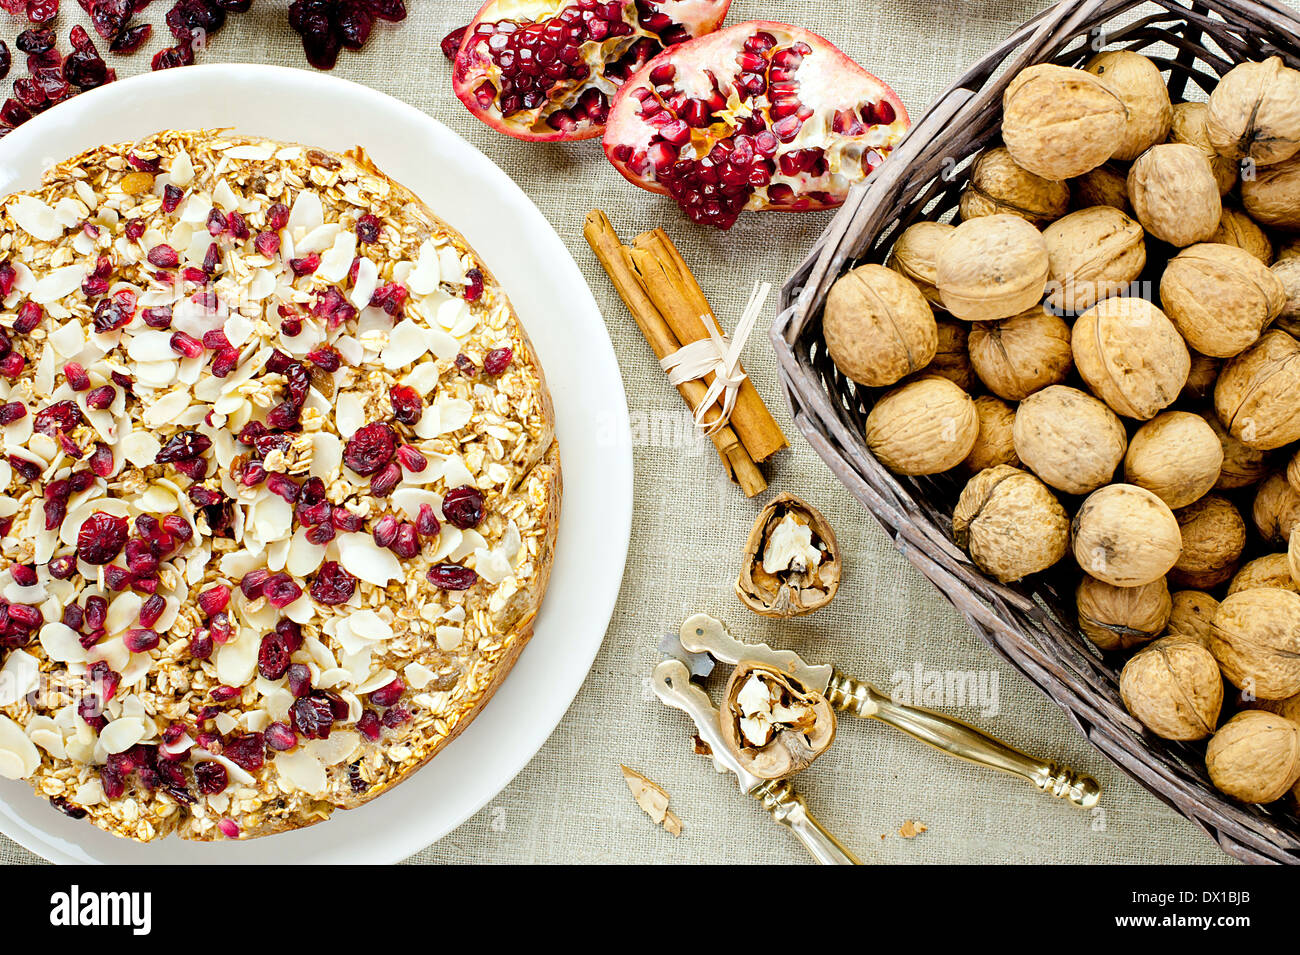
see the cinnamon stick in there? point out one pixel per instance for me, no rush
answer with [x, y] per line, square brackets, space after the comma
[614, 258]
[673, 289]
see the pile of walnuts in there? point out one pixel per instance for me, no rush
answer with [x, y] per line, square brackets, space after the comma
[1107, 348]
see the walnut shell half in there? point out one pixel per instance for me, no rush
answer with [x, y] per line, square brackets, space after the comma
[791, 564]
[779, 732]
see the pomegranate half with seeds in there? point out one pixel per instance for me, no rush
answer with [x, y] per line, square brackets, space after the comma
[547, 70]
[760, 115]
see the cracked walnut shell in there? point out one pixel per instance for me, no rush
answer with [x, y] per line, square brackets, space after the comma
[1069, 439]
[1121, 618]
[1174, 194]
[1221, 297]
[1176, 456]
[1126, 536]
[925, 426]
[1254, 113]
[1093, 254]
[774, 724]
[1010, 524]
[1022, 354]
[1256, 639]
[992, 267]
[1059, 122]
[878, 326]
[1256, 393]
[1173, 688]
[1136, 80]
[791, 565]
[999, 186]
[1255, 756]
[1131, 355]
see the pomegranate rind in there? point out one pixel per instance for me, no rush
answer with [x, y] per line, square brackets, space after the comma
[474, 66]
[828, 82]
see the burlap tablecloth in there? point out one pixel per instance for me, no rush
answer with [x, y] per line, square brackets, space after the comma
[570, 804]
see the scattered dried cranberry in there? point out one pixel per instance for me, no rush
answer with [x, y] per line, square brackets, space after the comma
[101, 397]
[463, 506]
[280, 737]
[163, 256]
[395, 716]
[345, 520]
[140, 640]
[101, 460]
[312, 716]
[131, 39]
[152, 610]
[389, 693]
[368, 227]
[391, 298]
[186, 444]
[60, 416]
[201, 644]
[273, 656]
[426, 523]
[333, 584]
[372, 447]
[251, 583]
[78, 380]
[280, 590]
[369, 726]
[497, 361]
[299, 679]
[101, 538]
[172, 196]
[11, 412]
[325, 358]
[466, 365]
[473, 285]
[386, 480]
[407, 544]
[247, 751]
[408, 406]
[159, 317]
[210, 777]
[452, 577]
[35, 40]
[6, 59]
[305, 265]
[385, 530]
[12, 365]
[215, 599]
[61, 568]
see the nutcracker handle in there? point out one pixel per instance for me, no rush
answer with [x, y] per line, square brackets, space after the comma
[789, 809]
[960, 739]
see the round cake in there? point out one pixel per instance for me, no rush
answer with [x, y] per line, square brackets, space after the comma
[282, 486]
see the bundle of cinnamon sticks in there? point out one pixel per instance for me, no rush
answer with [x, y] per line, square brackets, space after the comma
[669, 307]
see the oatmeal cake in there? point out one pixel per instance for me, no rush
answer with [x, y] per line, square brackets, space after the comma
[281, 485]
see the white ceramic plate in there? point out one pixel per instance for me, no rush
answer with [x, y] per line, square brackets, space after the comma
[467, 190]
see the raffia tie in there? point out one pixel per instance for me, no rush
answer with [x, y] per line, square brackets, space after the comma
[720, 356]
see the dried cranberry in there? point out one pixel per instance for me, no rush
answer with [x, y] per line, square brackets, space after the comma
[368, 227]
[158, 318]
[201, 644]
[408, 406]
[306, 265]
[140, 640]
[407, 544]
[12, 365]
[312, 716]
[370, 448]
[452, 577]
[101, 538]
[172, 196]
[345, 520]
[6, 59]
[61, 568]
[466, 365]
[210, 777]
[225, 362]
[412, 459]
[101, 397]
[101, 460]
[247, 751]
[277, 216]
[299, 679]
[35, 40]
[29, 316]
[273, 657]
[151, 610]
[497, 361]
[426, 523]
[385, 530]
[251, 583]
[325, 358]
[11, 412]
[280, 737]
[131, 39]
[25, 468]
[215, 599]
[182, 54]
[385, 482]
[395, 716]
[368, 725]
[333, 585]
[389, 693]
[463, 506]
[474, 285]
[186, 444]
[104, 679]
[60, 416]
[163, 256]
[280, 590]
[391, 298]
[96, 612]
[320, 534]
[140, 558]
[283, 486]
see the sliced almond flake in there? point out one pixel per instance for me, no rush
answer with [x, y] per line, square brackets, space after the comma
[301, 610]
[318, 239]
[123, 611]
[406, 344]
[238, 330]
[17, 594]
[50, 740]
[449, 540]
[471, 540]
[357, 662]
[140, 448]
[454, 472]
[408, 501]
[333, 677]
[236, 660]
[16, 434]
[68, 339]
[20, 675]
[448, 638]
[224, 197]
[338, 747]
[301, 770]
[450, 265]
[363, 558]
[162, 411]
[112, 651]
[303, 556]
[121, 734]
[35, 218]
[277, 552]
[61, 643]
[307, 213]
[225, 723]
[427, 274]
[368, 625]
[491, 565]
[367, 281]
[58, 283]
[238, 774]
[151, 346]
[442, 344]
[452, 312]
[417, 675]
[337, 262]
[18, 755]
[182, 169]
[349, 414]
[352, 351]
[136, 669]
[326, 456]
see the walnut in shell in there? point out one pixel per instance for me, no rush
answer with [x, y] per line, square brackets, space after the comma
[1104, 186]
[999, 186]
[1010, 523]
[992, 267]
[774, 724]
[1173, 688]
[1022, 354]
[1121, 618]
[925, 426]
[1175, 456]
[1220, 297]
[1201, 379]
[1276, 511]
[1272, 195]
[1271, 570]
[1136, 80]
[1214, 538]
[916, 253]
[791, 565]
[1293, 472]
[1255, 756]
[1293, 556]
[1256, 639]
[1060, 122]
[1256, 393]
[1092, 254]
[1242, 466]
[878, 326]
[1240, 230]
[1192, 616]
[1174, 194]
[1125, 536]
[1254, 113]
[1069, 439]
[1132, 357]
[1189, 127]
[996, 441]
[952, 357]
[1287, 271]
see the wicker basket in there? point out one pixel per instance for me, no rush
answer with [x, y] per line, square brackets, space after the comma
[1031, 624]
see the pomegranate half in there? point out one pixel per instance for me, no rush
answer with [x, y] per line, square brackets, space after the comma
[761, 115]
[547, 70]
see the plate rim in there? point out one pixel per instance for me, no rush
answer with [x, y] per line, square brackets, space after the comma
[617, 468]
